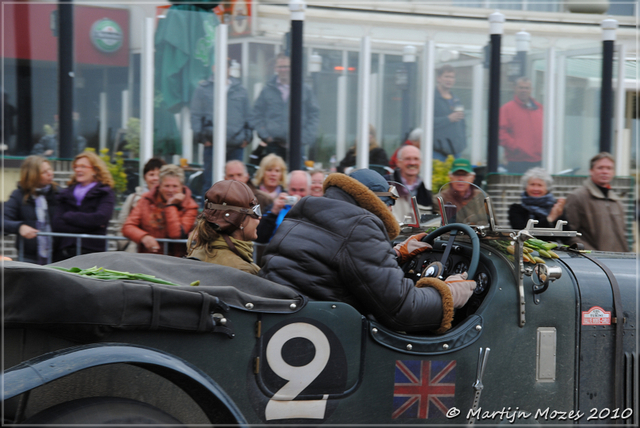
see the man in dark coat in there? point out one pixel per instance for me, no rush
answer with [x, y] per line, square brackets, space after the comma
[338, 248]
[449, 132]
[270, 114]
[239, 134]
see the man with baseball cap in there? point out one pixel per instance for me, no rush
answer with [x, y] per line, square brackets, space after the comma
[338, 248]
[227, 226]
[467, 199]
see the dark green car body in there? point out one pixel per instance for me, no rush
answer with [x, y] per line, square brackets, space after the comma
[243, 351]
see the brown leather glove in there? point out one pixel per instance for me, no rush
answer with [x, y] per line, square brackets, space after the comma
[461, 288]
[411, 247]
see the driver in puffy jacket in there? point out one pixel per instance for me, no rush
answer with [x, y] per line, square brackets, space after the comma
[338, 248]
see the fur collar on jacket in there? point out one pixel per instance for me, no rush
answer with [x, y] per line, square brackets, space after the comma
[366, 199]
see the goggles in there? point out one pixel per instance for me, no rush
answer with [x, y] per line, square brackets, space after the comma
[391, 193]
[254, 211]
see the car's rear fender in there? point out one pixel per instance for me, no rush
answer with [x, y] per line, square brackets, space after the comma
[53, 366]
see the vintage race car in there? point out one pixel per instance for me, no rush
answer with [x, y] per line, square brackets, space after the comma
[555, 342]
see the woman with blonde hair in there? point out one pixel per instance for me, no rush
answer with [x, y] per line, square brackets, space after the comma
[165, 211]
[271, 175]
[377, 155]
[227, 226]
[85, 206]
[30, 208]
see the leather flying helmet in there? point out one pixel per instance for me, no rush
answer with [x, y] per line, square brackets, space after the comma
[227, 203]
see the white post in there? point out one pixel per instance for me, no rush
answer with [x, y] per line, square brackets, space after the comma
[186, 133]
[244, 64]
[362, 157]
[561, 96]
[124, 118]
[622, 150]
[220, 103]
[428, 94]
[373, 104]
[146, 96]
[341, 111]
[341, 118]
[548, 142]
[477, 148]
[379, 104]
[102, 132]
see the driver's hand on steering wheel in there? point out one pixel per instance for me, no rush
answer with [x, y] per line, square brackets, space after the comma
[411, 247]
[461, 288]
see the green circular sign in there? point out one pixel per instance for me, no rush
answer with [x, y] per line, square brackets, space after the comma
[106, 35]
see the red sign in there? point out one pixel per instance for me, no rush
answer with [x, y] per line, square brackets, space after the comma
[28, 33]
[596, 316]
[239, 16]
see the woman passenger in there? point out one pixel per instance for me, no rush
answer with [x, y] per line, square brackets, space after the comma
[226, 228]
[30, 207]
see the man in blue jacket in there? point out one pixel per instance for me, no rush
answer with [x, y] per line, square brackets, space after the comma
[449, 132]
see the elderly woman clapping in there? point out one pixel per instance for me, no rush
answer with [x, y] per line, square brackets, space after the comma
[538, 203]
[166, 211]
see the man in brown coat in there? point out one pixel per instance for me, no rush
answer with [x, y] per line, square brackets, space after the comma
[595, 209]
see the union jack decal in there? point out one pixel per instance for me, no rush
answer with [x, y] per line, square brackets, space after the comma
[423, 389]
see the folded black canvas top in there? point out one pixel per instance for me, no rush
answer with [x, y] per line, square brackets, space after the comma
[44, 297]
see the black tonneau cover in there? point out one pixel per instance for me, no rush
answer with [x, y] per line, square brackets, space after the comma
[43, 297]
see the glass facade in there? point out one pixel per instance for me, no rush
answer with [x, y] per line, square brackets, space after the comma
[108, 76]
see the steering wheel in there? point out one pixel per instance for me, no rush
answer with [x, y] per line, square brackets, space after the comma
[475, 244]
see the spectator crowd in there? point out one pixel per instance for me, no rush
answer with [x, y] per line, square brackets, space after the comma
[302, 216]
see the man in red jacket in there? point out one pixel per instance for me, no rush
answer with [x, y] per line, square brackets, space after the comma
[521, 129]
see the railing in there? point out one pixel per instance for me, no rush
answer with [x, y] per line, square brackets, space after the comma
[79, 237]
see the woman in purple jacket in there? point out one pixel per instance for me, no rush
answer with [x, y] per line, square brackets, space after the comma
[85, 206]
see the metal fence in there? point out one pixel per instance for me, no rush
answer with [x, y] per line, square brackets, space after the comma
[79, 237]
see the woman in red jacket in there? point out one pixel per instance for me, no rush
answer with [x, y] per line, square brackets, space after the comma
[166, 211]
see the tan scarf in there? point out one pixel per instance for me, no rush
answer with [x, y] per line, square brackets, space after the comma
[244, 249]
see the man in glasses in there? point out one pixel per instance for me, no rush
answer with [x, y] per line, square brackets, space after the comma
[338, 248]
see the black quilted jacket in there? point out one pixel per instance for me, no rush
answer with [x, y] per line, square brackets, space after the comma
[331, 248]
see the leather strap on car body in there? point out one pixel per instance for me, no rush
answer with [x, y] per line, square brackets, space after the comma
[619, 321]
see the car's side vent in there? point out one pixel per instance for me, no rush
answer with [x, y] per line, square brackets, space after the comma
[631, 387]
